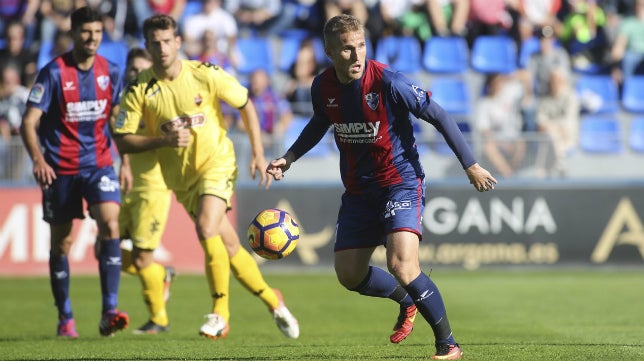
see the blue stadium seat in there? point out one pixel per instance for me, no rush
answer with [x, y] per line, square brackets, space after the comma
[602, 86]
[192, 7]
[401, 53]
[633, 94]
[494, 54]
[290, 42]
[636, 134]
[527, 49]
[256, 53]
[600, 134]
[322, 149]
[446, 55]
[115, 51]
[452, 94]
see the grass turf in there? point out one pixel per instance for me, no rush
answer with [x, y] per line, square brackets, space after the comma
[495, 315]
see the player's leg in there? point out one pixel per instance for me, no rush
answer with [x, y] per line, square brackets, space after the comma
[211, 211]
[402, 260]
[61, 242]
[147, 216]
[246, 271]
[101, 190]
[359, 231]
[61, 204]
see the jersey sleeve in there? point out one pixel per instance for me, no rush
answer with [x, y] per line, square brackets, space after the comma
[227, 88]
[43, 90]
[419, 102]
[117, 85]
[131, 111]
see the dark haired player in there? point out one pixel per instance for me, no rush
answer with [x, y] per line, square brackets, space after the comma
[67, 115]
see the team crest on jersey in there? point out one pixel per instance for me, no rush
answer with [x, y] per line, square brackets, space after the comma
[103, 81]
[198, 99]
[372, 100]
[37, 92]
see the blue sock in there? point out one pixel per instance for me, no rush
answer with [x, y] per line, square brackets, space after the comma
[109, 268]
[430, 304]
[379, 283]
[59, 279]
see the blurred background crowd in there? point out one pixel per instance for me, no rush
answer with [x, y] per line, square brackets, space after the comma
[541, 88]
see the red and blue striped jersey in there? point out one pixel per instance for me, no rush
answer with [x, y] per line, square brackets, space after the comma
[372, 124]
[76, 105]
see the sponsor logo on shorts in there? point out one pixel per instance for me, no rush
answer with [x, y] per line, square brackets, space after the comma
[393, 206]
[108, 185]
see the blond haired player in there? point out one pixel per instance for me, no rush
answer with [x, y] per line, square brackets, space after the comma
[144, 213]
[178, 102]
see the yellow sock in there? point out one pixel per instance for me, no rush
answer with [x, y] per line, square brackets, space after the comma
[152, 280]
[218, 274]
[126, 262]
[247, 272]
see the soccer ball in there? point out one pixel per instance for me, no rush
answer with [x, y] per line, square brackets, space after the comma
[273, 234]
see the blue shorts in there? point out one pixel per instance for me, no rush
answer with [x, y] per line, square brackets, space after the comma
[63, 200]
[364, 220]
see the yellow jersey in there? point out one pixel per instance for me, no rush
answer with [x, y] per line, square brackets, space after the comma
[191, 100]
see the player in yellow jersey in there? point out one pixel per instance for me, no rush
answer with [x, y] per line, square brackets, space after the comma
[144, 213]
[177, 101]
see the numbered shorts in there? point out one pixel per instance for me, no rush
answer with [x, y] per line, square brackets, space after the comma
[63, 200]
[365, 220]
[143, 217]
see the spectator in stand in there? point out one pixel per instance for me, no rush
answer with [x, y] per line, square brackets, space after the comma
[16, 52]
[143, 9]
[499, 121]
[219, 42]
[488, 17]
[273, 110]
[23, 11]
[627, 53]
[548, 58]
[13, 102]
[535, 14]
[558, 118]
[301, 75]
[114, 15]
[56, 17]
[583, 34]
[261, 17]
[448, 17]
[406, 17]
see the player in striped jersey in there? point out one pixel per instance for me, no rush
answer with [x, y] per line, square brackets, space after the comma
[67, 115]
[369, 106]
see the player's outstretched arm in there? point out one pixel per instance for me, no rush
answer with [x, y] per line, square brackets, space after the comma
[277, 167]
[134, 143]
[480, 178]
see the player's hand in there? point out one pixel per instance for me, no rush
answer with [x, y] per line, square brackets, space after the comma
[257, 163]
[43, 173]
[179, 138]
[480, 178]
[125, 176]
[277, 167]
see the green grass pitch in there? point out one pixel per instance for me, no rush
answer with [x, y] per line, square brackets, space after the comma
[571, 314]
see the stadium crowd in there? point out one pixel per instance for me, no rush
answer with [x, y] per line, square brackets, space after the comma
[555, 42]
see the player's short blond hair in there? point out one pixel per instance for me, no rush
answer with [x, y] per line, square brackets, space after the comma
[340, 24]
